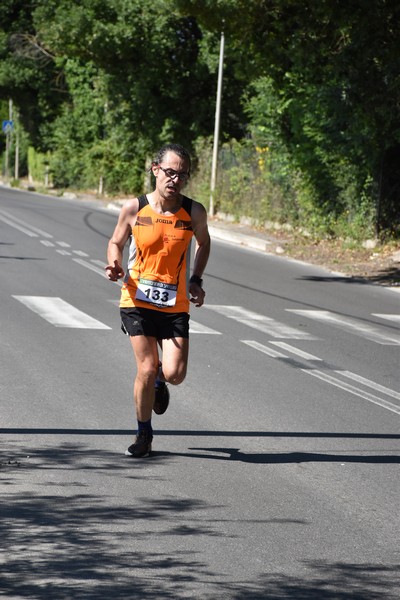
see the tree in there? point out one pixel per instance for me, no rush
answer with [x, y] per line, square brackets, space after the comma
[333, 69]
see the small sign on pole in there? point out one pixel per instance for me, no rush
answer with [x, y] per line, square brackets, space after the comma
[7, 126]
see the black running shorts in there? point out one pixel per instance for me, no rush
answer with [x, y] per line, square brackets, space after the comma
[154, 323]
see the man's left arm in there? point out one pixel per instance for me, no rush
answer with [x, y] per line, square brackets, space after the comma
[203, 244]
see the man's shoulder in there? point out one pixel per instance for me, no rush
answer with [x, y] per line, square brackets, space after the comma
[195, 204]
[198, 209]
[131, 205]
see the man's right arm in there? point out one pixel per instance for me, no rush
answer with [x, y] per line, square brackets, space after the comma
[119, 238]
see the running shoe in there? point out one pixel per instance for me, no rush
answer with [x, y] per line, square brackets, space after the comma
[141, 447]
[162, 398]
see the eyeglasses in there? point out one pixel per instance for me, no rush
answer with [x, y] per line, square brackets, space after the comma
[171, 173]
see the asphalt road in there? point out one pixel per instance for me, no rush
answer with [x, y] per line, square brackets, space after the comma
[275, 471]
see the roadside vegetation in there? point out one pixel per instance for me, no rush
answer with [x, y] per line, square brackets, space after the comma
[310, 121]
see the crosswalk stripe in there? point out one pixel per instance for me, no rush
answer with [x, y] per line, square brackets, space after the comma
[195, 327]
[260, 322]
[59, 313]
[353, 325]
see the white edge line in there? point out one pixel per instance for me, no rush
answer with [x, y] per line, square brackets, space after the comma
[395, 318]
[18, 223]
[264, 349]
[95, 269]
[353, 390]
[19, 227]
[371, 384]
[296, 351]
[88, 265]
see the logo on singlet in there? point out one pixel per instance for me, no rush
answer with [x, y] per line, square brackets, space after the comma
[164, 221]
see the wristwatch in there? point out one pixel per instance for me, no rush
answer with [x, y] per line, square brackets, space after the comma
[196, 279]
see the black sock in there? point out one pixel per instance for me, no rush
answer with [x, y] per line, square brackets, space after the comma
[145, 426]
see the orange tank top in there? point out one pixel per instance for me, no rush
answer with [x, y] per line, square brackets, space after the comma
[158, 273]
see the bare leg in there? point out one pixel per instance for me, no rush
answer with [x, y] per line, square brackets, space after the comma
[146, 355]
[175, 359]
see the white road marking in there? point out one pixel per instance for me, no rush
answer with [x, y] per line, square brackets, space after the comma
[333, 380]
[64, 252]
[269, 351]
[395, 318]
[353, 390]
[64, 244]
[260, 322]
[296, 351]
[81, 253]
[355, 326]
[371, 384]
[98, 262]
[47, 243]
[195, 327]
[19, 227]
[26, 228]
[88, 265]
[59, 313]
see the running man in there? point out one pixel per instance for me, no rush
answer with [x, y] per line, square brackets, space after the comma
[155, 295]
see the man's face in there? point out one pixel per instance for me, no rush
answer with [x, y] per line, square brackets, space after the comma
[171, 175]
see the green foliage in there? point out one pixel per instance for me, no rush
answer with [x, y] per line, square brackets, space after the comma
[199, 185]
[310, 123]
[332, 69]
[37, 163]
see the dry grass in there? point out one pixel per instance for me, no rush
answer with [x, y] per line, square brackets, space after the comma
[378, 265]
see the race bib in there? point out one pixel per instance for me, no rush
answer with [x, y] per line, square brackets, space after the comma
[156, 293]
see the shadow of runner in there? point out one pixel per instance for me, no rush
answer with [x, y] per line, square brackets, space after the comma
[268, 458]
[200, 433]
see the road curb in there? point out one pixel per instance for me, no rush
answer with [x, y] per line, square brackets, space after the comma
[239, 238]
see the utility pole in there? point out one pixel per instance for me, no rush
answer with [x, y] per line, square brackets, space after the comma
[8, 138]
[217, 124]
[16, 163]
